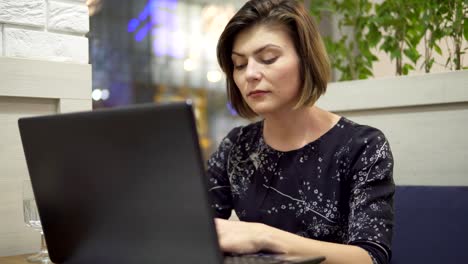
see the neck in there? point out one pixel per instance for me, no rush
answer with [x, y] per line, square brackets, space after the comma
[296, 128]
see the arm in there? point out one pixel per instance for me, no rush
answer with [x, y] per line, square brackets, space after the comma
[218, 180]
[370, 220]
[243, 237]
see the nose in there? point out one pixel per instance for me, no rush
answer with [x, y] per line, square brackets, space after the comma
[253, 71]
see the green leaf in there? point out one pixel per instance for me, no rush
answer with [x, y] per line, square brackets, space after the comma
[437, 49]
[412, 54]
[365, 72]
[374, 36]
[404, 71]
[395, 54]
[431, 62]
[406, 68]
[448, 61]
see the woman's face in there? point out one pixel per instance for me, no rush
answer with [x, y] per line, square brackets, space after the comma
[266, 69]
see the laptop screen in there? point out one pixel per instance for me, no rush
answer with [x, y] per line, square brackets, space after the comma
[123, 185]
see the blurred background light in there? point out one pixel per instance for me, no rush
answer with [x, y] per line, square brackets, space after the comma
[214, 76]
[105, 94]
[96, 94]
[189, 65]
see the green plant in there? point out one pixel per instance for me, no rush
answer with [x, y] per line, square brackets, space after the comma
[396, 27]
[455, 27]
[350, 54]
[431, 27]
[398, 22]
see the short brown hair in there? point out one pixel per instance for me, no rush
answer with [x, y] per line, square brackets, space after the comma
[314, 65]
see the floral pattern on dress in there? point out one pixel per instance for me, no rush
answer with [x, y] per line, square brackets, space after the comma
[338, 188]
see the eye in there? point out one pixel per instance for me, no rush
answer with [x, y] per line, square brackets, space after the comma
[269, 61]
[239, 66]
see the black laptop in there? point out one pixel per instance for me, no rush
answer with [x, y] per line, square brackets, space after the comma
[123, 186]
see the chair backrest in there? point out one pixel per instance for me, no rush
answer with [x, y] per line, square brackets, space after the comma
[431, 225]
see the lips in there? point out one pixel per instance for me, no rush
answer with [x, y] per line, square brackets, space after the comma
[257, 93]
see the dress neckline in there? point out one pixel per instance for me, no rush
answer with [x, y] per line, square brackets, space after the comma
[310, 144]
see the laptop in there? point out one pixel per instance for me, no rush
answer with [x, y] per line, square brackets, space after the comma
[123, 185]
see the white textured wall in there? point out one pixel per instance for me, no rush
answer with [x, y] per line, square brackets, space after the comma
[44, 30]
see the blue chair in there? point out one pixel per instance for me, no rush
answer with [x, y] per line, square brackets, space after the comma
[431, 225]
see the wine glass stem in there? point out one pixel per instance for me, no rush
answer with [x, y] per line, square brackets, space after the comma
[43, 243]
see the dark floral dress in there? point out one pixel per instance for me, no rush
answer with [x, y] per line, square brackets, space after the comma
[338, 188]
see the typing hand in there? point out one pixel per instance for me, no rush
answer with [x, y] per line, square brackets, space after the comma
[239, 237]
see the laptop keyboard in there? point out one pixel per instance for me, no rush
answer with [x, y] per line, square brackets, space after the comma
[253, 259]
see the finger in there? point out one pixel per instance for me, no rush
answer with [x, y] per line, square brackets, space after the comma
[219, 220]
[218, 225]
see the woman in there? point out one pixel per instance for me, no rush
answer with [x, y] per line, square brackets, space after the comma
[303, 181]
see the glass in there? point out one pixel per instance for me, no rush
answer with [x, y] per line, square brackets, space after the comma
[31, 218]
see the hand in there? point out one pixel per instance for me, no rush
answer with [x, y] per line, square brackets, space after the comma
[239, 237]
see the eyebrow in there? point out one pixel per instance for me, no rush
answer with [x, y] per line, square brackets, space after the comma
[259, 50]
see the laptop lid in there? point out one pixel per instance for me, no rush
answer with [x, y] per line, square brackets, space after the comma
[122, 185]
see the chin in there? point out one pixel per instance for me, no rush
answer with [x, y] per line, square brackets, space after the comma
[263, 110]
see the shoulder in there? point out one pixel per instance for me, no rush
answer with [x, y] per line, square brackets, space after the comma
[362, 131]
[363, 135]
[241, 134]
[371, 157]
[366, 145]
[237, 140]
